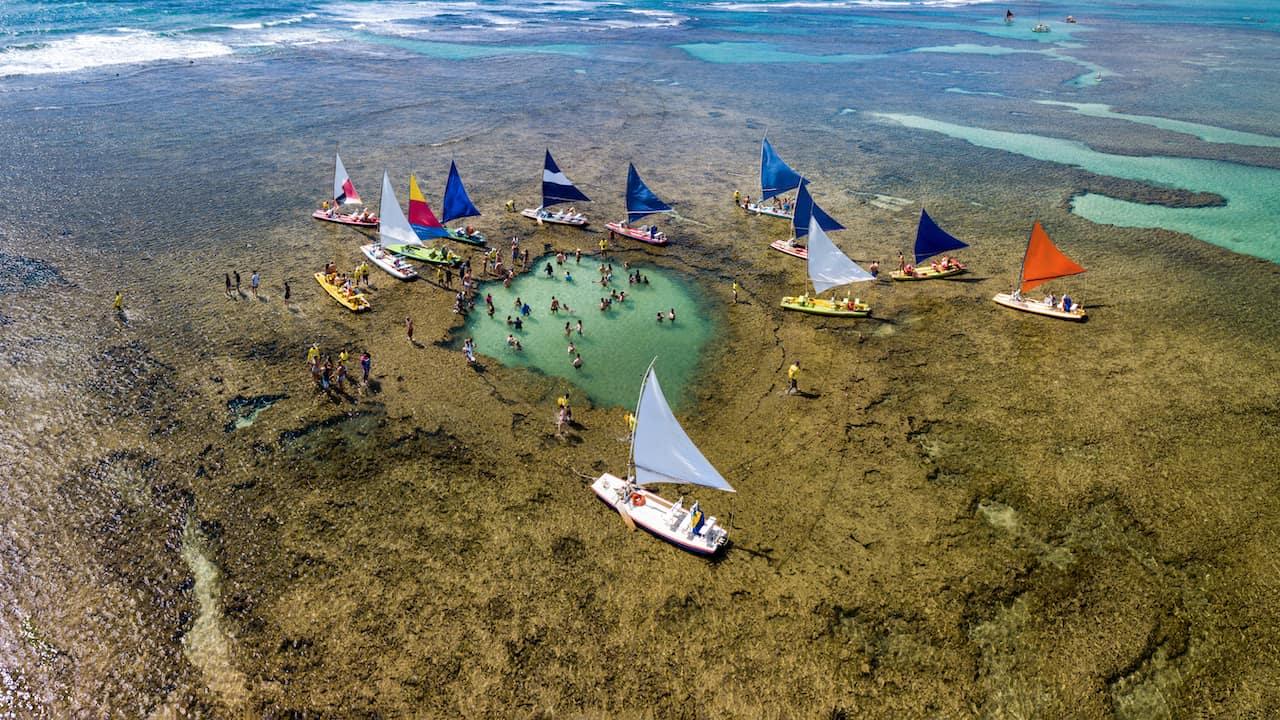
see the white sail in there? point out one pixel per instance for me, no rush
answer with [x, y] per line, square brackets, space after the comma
[393, 226]
[828, 267]
[661, 450]
[344, 193]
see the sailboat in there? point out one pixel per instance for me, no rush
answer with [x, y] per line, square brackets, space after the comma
[421, 225]
[805, 209]
[395, 229]
[931, 240]
[1043, 262]
[662, 452]
[829, 268]
[776, 177]
[344, 193]
[640, 202]
[556, 189]
[457, 204]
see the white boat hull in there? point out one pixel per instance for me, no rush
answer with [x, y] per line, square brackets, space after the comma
[557, 218]
[1039, 307]
[659, 516]
[770, 210]
[394, 266]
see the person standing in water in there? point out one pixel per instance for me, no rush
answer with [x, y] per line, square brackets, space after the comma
[253, 284]
[237, 274]
[228, 277]
[118, 305]
[365, 364]
[793, 378]
[408, 328]
[287, 291]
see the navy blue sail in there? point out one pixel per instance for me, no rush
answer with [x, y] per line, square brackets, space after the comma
[456, 203]
[776, 176]
[556, 188]
[640, 199]
[806, 207]
[931, 239]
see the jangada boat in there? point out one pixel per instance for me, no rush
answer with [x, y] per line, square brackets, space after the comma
[806, 208]
[348, 295]
[931, 240]
[422, 225]
[640, 202]
[776, 177]
[556, 189]
[829, 268]
[457, 205]
[394, 229]
[1043, 262]
[344, 193]
[661, 452]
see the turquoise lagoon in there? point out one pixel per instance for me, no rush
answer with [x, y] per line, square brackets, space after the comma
[1245, 224]
[616, 345]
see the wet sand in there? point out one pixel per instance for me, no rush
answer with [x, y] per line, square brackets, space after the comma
[967, 512]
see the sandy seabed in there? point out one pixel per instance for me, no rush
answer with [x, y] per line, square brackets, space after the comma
[966, 512]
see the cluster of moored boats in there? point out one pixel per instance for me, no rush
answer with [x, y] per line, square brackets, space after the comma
[660, 449]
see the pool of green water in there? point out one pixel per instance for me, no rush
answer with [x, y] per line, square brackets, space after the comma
[616, 344]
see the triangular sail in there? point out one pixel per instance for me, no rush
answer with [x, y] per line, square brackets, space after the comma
[660, 449]
[556, 188]
[776, 176]
[344, 193]
[421, 219]
[456, 204]
[828, 266]
[393, 226]
[931, 239]
[1044, 261]
[640, 199]
[804, 209]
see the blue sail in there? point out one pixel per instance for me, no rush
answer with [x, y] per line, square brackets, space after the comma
[456, 203]
[776, 176]
[640, 199]
[931, 239]
[556, 188]
[805, 208]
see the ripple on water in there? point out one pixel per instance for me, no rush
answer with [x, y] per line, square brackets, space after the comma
[616, 344]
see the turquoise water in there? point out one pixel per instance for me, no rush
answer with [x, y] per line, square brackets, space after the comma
[1208, 133]
[1246, 224]
[616, 344]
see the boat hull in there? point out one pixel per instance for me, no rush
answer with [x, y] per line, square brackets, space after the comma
[769, 210]
[660, 517]
[423, 253]
[356, 303]
[1039, 307]
[925, 273]
[576, 219]
[460, 234]
[822, 306]
[343, 219]
[785, 246]
[637, 234]
[394, 266]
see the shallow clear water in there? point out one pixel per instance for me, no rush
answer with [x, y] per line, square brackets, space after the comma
[616, 344]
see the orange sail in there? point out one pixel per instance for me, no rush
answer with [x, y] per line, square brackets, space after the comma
[1044, 261]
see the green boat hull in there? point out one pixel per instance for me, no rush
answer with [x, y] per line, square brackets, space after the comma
[426, 254]
[460, 234]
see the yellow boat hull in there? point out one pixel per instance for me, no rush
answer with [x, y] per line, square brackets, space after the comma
[823, 306]
[356, 303]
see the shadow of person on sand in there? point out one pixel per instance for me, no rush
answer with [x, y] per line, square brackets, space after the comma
[373, 387]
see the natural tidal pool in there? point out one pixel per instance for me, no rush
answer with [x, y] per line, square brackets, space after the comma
[616, 344]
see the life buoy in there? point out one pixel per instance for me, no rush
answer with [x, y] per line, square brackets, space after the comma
[637, 500]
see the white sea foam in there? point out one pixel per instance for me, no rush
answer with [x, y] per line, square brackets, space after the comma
[121, 47]
[764, 7]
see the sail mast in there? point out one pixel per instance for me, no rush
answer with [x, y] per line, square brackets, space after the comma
[631, 454]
